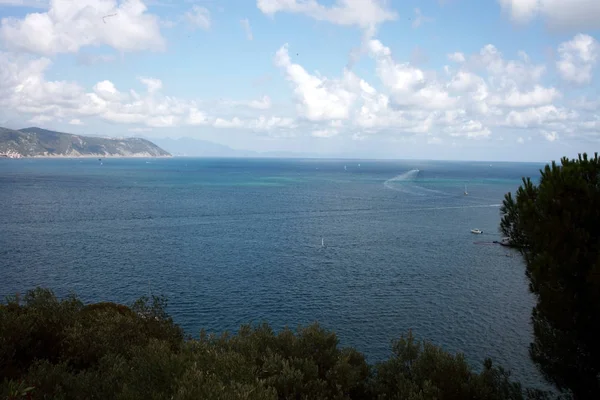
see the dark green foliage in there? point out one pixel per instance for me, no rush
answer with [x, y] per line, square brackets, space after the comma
[52, 349]
[556, 226]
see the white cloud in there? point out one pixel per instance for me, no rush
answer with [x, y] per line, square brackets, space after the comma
[324, 133]
[470, 129]
[247, 28]
[519, 72]
[362, 13]
[408, 85]
[538, 116]
[550, 136]
[559, 14]
[457, 57]
[317, 98]
[198, 17]
[75, 121]
[577, 58]
[521, 10]
[68, 26]
[261, 123]
[538, 96]
[139, 129]
[264, 103]
[420, 19]
[40, 119]
[196, 117]
[152, 85]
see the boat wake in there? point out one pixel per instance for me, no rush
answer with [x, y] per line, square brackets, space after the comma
[406, 183]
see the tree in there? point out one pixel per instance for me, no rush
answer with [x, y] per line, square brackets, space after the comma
[63, 349]
[556, 227]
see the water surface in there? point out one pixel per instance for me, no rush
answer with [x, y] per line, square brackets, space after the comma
[234, 241]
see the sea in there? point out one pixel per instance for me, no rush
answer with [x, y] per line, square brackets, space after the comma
[369, 249]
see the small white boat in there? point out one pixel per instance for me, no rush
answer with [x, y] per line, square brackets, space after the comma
[322, 242]
[466, 193]
[476, 231]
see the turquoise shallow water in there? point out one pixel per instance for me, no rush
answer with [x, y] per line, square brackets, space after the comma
[235, 241]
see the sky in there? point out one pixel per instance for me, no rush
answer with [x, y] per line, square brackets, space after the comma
[514, 80]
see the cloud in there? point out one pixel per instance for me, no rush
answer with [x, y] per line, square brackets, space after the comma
[198, 17]
[41, 119]
[550, 136]
[247, 28]
[324, 133]
[152, 85]
[538, 117]
[317, 98]
[261, 123]
[457, 57]
[420, 19]
[538, 96]
[558, 14]
[408, 85]
[75, 121]
[485, 94]
[363, 13]
[577, 57]
[263, 103]
[69, 26]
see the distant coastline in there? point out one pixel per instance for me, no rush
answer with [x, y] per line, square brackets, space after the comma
[42, 143]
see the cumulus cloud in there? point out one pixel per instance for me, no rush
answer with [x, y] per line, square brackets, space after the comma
[68, 26]
[362, 13]
[577, 57]
[457, 57]
[263, 103]
[198, 17]
[25, 89]
[75, 121]
[317, 98]
[559, 14]
[152, 85]
[550, 136]
[486, 93]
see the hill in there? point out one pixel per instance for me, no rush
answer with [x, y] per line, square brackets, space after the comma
[37, 142]
[201, 148]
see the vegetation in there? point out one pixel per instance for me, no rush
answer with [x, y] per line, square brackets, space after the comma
[30, 142]
[556, 226]
[63, 349]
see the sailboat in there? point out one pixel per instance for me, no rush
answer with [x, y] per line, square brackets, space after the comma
[466, 193]
[345, 168]
[322, 242]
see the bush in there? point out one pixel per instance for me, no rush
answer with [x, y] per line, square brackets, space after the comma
[63, 349]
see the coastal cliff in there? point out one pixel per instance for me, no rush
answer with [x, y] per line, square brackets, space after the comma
[37, 142]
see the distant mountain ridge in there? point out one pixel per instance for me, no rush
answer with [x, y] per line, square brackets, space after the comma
[189, 147]
[38, 142]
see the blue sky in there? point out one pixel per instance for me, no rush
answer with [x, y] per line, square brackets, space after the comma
[453, 79]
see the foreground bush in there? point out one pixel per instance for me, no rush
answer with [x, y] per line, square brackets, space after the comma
[63, 349]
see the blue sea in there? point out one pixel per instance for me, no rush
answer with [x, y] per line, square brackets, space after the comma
[233, 241]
